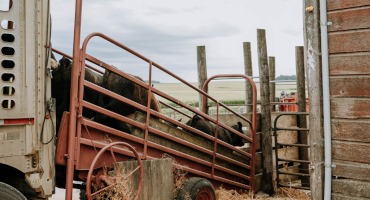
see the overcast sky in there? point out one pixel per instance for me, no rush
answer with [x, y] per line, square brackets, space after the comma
[168, 32]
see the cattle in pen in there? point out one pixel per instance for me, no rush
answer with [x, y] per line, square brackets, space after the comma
[61, 87]
[125, 88]
[227, 136]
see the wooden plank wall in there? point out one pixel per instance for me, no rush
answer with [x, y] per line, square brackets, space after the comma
[349, 61]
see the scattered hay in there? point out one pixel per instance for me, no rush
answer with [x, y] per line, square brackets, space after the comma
[281, 194]
[292, 193]
[179, 175]
[119, 187]
[223, 194]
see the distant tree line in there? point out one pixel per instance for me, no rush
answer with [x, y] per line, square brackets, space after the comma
[286, 77]
[153, 81]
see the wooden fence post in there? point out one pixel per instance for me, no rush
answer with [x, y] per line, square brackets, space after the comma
[316, 125]
[202, 71]
[267, 170]
[249, 72]
[301, 119]
[272, 83]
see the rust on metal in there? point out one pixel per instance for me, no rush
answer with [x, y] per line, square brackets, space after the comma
[213, 159]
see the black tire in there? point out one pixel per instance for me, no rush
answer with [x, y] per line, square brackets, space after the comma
[196, 188]
[8, 192]
[83, 195]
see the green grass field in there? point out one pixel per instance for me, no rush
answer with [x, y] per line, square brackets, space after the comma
[231, 93]
[221, 90]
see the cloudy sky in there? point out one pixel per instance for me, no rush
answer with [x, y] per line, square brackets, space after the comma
[168, 32]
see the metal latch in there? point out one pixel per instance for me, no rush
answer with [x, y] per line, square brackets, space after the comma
[50, 104]
[49, 72]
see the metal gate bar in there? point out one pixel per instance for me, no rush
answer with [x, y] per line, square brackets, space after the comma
[277, 145]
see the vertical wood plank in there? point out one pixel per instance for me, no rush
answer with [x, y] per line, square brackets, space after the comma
[313, 67]
[249, 72]
[272, 79]
[202, 71]
[267, 171]
[344, 4]
[301, 119]
[158, 178]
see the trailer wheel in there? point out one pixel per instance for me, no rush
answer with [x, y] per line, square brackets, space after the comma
[91, 169]
[10, 193]
[197, 189]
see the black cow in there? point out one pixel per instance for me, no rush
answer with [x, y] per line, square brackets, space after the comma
[237, 140]
[125, 88]
[223, 134]
[201, 124]
[61, 84]
[206, 127]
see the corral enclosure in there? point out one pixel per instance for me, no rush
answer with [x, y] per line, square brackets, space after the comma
[234, 91]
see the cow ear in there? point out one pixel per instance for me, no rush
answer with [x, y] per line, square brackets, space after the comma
[240, 125]
[64, 62]
[196, 118]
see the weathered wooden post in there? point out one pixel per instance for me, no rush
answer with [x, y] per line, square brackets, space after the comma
[202, 71]
[272, 81]
[249, 72]
[158, 178]
[314, 69]
[267, 170]
[301, 119]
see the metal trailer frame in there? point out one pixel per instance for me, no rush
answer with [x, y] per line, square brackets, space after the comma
[86, 133]
[80, 136]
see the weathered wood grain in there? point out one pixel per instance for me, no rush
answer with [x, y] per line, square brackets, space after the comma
[202, 70]
[314, 69]
[351, 130]
[351, 187]
[349, 19]
[158, 178]
[272, 79]
[343, 4]
[350, 86]
[248, 70]
[354, 63]
[351, 151]
[302, 119]
[346, 169]
[336, 196]
[267, 185]
[349, 41]
[350, 108]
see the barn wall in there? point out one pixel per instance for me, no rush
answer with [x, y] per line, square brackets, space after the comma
[349, 62]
